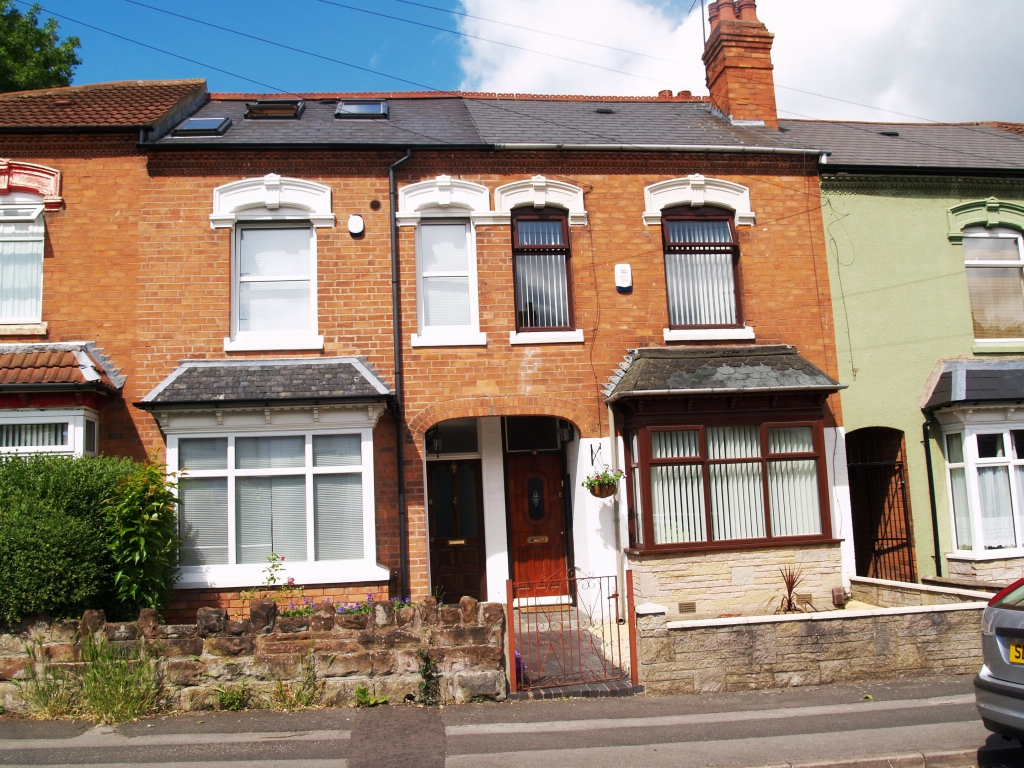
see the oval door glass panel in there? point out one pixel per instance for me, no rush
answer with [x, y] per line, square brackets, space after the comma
[535, 499]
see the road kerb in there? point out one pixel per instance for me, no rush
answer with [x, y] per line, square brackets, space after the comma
[901, 760]
[1004, 756]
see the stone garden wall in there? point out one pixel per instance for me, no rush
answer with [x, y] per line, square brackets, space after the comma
[891, 594]
[757, 652]
[377, 650]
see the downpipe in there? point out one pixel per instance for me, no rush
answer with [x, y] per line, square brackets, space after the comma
[925, 434]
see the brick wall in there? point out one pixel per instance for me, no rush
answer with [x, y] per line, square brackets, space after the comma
[133, 264]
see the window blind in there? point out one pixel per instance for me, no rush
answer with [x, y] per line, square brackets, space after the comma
[542, 296]
[677, 503]
[737, 490]
[33, 435]
[699, 273]
[21, 270]
[203, 453]
[271, 514]
[270, 452]
[337, 450]
[444, 266]
[203, 520]
[338, 512]
[275, 266]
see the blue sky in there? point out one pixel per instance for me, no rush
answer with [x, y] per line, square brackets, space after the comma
[414, 53]
[883, 60]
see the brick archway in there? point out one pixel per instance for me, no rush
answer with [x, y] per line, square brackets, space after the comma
[510, 405]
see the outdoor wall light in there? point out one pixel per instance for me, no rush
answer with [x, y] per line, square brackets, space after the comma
[355, 224]
[434, 441]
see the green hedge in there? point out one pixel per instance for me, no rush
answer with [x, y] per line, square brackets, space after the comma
[57, 541]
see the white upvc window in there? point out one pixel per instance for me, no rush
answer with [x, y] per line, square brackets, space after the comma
[447, 305]
[985, 472]
[69, 432]
[994, 260]
[305, 495]
[22, 234]
[274, 297]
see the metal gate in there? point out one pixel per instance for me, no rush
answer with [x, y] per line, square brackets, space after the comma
[570, 630]
[883, 538]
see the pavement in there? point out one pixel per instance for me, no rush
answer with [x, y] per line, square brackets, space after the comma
[924, 723]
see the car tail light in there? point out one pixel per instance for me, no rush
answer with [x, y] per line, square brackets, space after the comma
[1004, 592]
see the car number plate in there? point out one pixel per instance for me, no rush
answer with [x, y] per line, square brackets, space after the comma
[1017, 653]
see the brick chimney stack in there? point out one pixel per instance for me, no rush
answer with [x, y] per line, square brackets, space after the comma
[738, 62]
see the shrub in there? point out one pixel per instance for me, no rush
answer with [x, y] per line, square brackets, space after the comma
[50, 562]
[142, 527]
[76, 486]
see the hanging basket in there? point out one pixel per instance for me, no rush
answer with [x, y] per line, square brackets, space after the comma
[603, 491]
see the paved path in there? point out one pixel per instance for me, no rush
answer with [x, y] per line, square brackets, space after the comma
[909, 723]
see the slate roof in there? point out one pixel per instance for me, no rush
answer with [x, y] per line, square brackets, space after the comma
[130, 104]
[63, 365]
[481, 120]
[978, 381]
[708, 370]
[237, 382]
[918, 145]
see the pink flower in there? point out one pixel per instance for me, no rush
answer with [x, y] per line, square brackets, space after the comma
[281, 558]
[291, 581]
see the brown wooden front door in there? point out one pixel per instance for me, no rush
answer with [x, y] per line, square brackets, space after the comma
[537, 520]
[455, 501]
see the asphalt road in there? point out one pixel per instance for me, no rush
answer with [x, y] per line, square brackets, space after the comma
[761, 728]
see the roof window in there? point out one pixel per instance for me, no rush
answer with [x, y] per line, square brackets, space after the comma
[203, 126]
[275, 109]
[362, 108]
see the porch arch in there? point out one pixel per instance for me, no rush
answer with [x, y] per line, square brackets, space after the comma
[508, 405]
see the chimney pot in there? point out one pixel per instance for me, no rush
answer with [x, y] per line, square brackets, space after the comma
[747, 9]
[684, 95]
[664, 94]
[726, 10]
[713, 15]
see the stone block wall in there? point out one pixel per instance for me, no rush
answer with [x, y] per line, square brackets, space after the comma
[1000, 572]
[891, 594]
[807, 649]
[742, 582]
[376, 650]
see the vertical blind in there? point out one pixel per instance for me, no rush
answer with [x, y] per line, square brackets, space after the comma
[444, 265]
[21, 270]
[699, 273]
[736, 474]
[33, 435]
[542, 288]
[275, 289]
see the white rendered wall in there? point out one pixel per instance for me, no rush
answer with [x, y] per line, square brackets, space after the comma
[495, 537]
[593, 519]
[839, 489]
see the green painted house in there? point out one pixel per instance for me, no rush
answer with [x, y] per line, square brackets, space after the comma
[924, 227]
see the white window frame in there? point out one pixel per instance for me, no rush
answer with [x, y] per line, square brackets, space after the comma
[1002, 233]
[310, 571]
[267, 340]
[971, 463]
[75, 418]
[448, 335]
[24, 207]
[270, 200]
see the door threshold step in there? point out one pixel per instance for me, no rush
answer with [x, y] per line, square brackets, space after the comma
[580, 691]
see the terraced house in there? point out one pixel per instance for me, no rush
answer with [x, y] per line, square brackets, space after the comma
[388, 335]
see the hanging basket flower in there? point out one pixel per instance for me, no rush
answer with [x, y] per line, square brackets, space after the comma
[603, 484]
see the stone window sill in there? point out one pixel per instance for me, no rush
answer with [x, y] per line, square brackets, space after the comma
[23, 329]
[250, 575]
[546, 337]
[452, 339]
[716, 546]
[746, 333]
[990, 554]
[273, 343]
[996, 346]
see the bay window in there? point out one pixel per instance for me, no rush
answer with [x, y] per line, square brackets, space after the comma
[695, 485]
[985, 469]
[305, 496]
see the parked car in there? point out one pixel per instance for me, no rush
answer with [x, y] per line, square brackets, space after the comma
[999, 686]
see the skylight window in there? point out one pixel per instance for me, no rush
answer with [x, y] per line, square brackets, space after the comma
[275, 109]
[203, 126]
[365, 108]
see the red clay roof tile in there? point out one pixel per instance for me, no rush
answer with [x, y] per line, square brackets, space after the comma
[47, 367]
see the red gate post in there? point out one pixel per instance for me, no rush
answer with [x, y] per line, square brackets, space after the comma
[513, 682]
[631, 618]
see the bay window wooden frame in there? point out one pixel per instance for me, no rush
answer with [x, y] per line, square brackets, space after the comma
[703, 213]
[637, 434]
[518, 249]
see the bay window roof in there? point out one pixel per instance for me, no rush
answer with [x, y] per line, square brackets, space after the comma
[240, 382]
[977, 381]
[56, 366]
[653, 371]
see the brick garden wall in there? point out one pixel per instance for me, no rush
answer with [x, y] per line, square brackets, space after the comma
[376, 650]
[133, 264]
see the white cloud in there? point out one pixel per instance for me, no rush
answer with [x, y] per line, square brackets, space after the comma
[936, 59]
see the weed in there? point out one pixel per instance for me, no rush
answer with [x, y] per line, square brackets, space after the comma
[235, 698]
[118, 683]
[430, 683]
[366, 699]
[51, 692]
[305, 694]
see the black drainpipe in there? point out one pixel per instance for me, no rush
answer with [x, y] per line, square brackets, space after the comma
[398, 413]
[931, 490]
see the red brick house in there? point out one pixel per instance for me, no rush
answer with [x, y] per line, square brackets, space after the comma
[581, 283]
